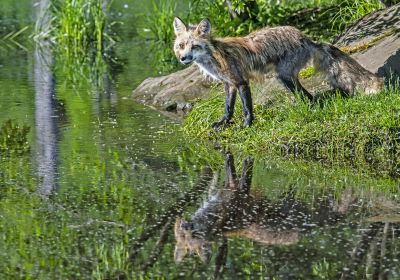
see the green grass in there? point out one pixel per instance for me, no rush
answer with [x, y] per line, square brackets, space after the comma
[77, 31]
[352, 10]
[14, 138]
[159, 22]
[81, 38]
[359, 129]
[80, 24]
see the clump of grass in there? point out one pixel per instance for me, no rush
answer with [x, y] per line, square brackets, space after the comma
[352, 10]
[160, 25]
[80, 25]
[77, 33]
[81, 37]
[358, 129]
[14, 138]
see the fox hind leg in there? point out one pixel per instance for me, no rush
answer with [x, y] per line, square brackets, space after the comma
[294, 86]
[288, 70]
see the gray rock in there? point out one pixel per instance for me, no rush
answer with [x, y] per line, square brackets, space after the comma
[381, 29]
[369, 27]
[177, 91]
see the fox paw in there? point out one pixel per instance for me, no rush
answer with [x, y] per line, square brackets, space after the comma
[219, 125]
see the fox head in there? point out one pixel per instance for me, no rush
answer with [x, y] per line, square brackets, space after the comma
[188, 240]
[191, 40]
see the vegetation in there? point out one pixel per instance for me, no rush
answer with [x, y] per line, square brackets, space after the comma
[77, 31]
[350, 11]
[334, 129]
[119, 173]
[13, 138]
[74, 25]
[160, 23]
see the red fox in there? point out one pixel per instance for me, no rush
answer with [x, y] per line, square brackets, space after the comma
[234, 61]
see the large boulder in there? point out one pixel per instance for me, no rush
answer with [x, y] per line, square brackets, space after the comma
[174, 91]
[374, 41]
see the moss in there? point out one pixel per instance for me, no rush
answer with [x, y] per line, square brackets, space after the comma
[307, 72]
[373, 42]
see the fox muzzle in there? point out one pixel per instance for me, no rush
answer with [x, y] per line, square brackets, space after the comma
[186, 59]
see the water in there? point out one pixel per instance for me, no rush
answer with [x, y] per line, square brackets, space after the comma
[111, 189]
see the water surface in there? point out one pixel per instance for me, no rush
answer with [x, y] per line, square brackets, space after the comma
[110, 189]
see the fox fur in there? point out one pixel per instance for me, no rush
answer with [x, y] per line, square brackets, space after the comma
[284, 49]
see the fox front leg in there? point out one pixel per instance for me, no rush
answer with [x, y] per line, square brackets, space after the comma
[230, 99]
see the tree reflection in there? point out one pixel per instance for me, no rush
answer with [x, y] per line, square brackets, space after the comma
[45, 107]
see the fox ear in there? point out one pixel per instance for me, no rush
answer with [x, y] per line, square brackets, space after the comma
[179, 26]
[204, 27]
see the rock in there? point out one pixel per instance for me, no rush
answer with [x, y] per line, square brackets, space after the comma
[369, 27]
[377, 35]
[380, 30]
[174, 91]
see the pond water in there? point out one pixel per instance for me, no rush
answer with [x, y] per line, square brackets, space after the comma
[104, 188]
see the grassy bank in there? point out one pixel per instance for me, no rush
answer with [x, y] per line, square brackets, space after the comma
[359, 130]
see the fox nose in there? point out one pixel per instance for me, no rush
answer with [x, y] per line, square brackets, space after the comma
[186, 59]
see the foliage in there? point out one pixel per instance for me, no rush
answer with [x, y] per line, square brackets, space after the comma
[77, 31]
[160, 25]
[80, 35]
[80, 25]
[352, 10]
[14, 138]
[307, 72]
[14, 17]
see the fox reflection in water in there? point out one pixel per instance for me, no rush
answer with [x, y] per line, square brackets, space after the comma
[233, 211]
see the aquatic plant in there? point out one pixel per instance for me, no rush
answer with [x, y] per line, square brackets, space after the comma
[14, 138]
[77, 31]
[81, 37]
[159, 22]
[80, 25]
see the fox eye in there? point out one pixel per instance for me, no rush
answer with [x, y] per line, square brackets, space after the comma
[181, 46]
[196, 47]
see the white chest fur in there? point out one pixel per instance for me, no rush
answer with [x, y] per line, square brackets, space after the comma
[209, 70]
